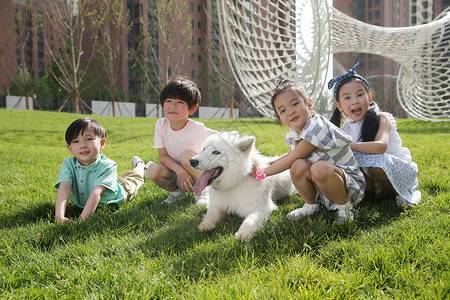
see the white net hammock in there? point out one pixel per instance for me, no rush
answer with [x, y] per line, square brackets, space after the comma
[268, 39]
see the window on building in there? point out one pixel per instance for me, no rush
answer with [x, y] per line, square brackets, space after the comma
[199, 41]
[377, 3]
[138, 12]
[138, 28]
[192, 57]
[376, 65]
[376, 15]
[199, 24]
[199, 58]
[193, 74]
[192, 6]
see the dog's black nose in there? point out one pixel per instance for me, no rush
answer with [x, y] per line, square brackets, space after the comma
[194, 162]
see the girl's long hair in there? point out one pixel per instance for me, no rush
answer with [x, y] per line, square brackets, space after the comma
[371, 121]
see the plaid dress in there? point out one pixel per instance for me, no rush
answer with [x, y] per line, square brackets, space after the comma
[334, 149]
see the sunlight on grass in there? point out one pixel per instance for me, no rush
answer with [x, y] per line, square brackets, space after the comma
[144, 249]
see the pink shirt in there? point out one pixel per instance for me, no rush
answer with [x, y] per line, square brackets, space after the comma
[191, 137]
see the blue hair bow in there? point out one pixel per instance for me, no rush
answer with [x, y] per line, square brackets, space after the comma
[337, 82]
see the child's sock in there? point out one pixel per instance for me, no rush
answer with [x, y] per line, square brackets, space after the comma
[306, 210]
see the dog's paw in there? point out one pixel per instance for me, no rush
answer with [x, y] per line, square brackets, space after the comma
[243, 236]
[206, 226]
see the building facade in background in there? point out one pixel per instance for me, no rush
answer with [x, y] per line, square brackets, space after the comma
[25, 31]
[381, 72]
[194, 60]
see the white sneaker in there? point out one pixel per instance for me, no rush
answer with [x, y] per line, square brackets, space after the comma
[203, 199]
[344, 213]
[135, 160]
[402, 202]
[174, 196]
[306, 210]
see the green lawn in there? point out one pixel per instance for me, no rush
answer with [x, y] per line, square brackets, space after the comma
[144, 249]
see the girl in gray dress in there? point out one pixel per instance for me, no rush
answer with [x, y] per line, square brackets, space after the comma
[321, 163]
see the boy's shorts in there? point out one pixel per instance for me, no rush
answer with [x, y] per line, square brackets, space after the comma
[174, 179]
[131, 182]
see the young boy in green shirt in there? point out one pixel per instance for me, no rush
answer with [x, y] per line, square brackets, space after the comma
[90, 177]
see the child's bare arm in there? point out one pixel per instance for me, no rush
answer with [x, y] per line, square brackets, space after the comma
[92, 202]
[381, 142]
[62, 197]
[300, 151]
[184, 178]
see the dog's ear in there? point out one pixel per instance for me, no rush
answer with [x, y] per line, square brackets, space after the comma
[245, 143]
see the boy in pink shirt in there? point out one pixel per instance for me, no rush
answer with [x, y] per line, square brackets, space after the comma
[178, 139]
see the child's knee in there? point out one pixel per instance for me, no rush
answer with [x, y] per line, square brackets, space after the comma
[378, 172]
[185, 158]
[300, 168]
[156, 170]
[321, 170]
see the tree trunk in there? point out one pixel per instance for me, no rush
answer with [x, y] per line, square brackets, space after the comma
[26, 101]
[75, 102]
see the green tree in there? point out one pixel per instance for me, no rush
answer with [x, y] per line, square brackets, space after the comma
[163, 45]
[109, 19]
[72, 58]
[22, 82]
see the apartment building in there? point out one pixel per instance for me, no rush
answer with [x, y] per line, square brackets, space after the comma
[381, 71]
[192, 60]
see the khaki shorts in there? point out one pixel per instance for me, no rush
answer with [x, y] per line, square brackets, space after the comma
[131, 182]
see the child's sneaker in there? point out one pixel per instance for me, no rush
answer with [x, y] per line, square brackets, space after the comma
[402, 202]
[175, 196]
[306, 210]
[203, 199]
[344, 213]
[135, 160]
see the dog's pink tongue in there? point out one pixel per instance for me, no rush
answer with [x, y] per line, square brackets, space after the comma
[202, 182]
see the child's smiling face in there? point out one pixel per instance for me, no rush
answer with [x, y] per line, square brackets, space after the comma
[293, 111]
[86, 147]
[177, 112]
[354, 100]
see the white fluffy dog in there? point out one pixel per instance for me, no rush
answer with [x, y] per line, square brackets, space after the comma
[227, 161]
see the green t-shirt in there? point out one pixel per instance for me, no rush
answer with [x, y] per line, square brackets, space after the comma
[102, 172]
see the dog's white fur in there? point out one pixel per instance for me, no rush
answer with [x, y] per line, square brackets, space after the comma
[234, 191]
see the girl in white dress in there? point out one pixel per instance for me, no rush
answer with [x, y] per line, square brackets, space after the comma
[387, 166]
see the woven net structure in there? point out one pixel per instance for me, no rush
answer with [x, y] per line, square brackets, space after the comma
[267, 39]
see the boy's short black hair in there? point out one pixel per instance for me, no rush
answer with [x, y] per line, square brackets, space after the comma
[181, 88]
[80, 125]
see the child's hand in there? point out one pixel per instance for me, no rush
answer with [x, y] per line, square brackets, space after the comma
[253, 172]
[62, 220]
[185, 181]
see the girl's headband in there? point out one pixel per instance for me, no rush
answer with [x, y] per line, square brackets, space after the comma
[337, 82]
